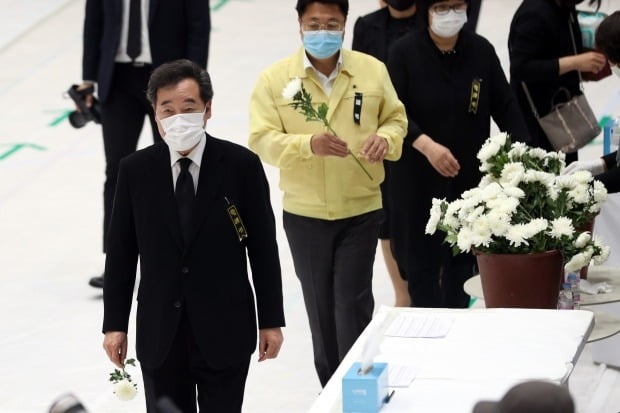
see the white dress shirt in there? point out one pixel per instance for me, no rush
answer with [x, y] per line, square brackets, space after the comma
[194, 168]
[145, 54]
[326, 81]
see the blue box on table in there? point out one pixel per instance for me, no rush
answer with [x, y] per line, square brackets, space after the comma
[365, 393]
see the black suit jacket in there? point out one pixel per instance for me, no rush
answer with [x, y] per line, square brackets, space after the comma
[611, 178]
[177, 29]
[370, 34]
[207, 279]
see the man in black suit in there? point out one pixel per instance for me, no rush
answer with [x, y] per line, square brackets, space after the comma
[124, 40]
[196, 320]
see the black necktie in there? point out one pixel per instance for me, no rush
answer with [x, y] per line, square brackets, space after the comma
[185, 196]
[134, 34]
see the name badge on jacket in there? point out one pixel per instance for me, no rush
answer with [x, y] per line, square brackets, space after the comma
[474, 98]
[233, 213]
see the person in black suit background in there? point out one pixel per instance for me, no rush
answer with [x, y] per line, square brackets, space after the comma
[543, 38]
[373, 34]
[124, 40]
[196, 323]
[605, 168]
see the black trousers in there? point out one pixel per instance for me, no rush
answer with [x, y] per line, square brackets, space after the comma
[122, 119]
[437, 280]
[333, 261]
[185, 376]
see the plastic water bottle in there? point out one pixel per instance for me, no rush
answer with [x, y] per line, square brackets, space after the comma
[611, 135]
[565, 301]
[573, 279]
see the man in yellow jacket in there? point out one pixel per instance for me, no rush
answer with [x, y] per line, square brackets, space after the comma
[332, 200]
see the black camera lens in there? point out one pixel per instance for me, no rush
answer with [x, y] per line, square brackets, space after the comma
[67, 403]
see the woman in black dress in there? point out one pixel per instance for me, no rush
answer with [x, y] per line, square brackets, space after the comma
[542, 55]
[452, 84]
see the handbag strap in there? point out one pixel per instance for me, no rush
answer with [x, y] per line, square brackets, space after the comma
[526, 90]
[572, 37]
[529, 99]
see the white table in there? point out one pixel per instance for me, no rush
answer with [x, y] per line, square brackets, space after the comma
[485, 353]
[607, 323]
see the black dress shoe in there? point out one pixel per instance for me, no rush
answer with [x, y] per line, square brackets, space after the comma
[96, 282]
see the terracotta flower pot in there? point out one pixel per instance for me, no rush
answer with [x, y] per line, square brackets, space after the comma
[521, 280]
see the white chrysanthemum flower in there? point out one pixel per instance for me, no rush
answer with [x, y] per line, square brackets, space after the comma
[553, 192]
[481, 231]
[505, 205]
[292, 88]
[535, 226]
[518, 149]
[491, 191]
[473, 215]
[499, 223]
[532, 175]
[561, 226]
[565, 182]
[431, 225]
[579, 194]
[499, 139]
[603, 256]
[599, 191]
[537, 153]
[582, 240]
[514, 192]
[125, 390]
[488, 150]
[451, 217]
[512, 174]
[471, 193]
[577, 262]
[464, 239]
[582, 176]
[485, 181]
[517, 235]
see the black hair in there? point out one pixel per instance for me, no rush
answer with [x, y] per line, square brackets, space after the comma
[302, 5]
[172, 73]
[608, 37]
[422, 7]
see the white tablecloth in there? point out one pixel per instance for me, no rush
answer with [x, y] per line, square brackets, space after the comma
[485, 353]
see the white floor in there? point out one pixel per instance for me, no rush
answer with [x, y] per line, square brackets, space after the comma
[51, 179]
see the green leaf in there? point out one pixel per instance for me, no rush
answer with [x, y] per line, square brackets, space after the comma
[322, 111]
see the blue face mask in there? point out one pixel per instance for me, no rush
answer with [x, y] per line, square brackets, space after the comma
[322, 43]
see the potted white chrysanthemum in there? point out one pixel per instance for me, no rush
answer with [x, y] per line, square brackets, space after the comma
[523, 222]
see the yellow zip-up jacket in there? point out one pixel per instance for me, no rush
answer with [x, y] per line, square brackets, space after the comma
[327, 187]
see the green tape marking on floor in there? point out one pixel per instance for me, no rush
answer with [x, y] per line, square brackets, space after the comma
[60, 118]
[219, 5]
[18, 146]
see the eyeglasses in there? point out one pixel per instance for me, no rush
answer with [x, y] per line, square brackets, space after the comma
[315, 26]
[443, 9]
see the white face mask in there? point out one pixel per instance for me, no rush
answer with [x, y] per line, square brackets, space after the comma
[616, 70]
[448, 24]
[183, 131]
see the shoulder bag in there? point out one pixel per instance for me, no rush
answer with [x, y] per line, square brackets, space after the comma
[570, 125]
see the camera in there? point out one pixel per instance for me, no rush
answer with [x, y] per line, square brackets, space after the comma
[67, 403]
[79, 118]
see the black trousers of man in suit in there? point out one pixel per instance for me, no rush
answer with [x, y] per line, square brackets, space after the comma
[333, 261]
[185, 372]
[123, 115]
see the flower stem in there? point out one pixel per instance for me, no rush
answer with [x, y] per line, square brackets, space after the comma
[333, 132]
[360, 164]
